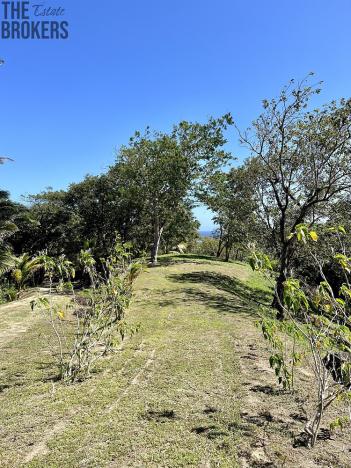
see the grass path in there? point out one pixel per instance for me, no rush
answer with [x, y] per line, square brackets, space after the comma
[14, 320]
[179, 393]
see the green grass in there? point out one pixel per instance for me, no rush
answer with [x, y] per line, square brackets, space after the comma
[170, 397]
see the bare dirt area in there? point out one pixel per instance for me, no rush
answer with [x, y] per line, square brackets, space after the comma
[272, 420]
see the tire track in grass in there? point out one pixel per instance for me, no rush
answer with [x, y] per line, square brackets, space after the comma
[13, 332]
[41, 448]
[135, 381]
[12, 324]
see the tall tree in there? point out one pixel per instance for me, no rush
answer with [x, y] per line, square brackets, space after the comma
[51, 226]
[302, 162]
[162, 171]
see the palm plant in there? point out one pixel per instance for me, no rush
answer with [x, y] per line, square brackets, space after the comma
[24, 269]
[4, 158]
[6, 258]
[7, 228]
[7, 261]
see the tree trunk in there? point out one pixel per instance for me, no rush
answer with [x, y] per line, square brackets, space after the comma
[237, 253]
[279, 288]
[219, 250]
[278, 297]
[220, 241]
[228, 249]
[156, 244]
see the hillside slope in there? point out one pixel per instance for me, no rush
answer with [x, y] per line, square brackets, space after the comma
[191, 388]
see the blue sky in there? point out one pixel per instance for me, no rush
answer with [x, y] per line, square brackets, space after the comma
[66, 105]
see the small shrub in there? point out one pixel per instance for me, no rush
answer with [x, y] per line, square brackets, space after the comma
[99, 315]
[320, 318]
[8, 293]
[207, 246]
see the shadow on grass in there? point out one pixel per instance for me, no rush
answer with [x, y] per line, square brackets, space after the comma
[173, 259]
[160, 416]
[18, 374]
[241, 296]
[202, 257]
[211, 432]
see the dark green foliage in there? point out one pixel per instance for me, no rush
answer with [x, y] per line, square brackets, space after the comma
[207, 246]
[145, 198]
[231, 197]
[161, 173]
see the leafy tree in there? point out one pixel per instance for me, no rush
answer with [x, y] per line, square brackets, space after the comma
[183, 228]
[145, 197]
[161, 171]
[49, 226]
[94, 210]
[97, 210]
[106, 209]
[231, 197]
[302, 163]
[89, 212]
[98, 313]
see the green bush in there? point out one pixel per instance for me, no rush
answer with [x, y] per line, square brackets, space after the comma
[8, 293]
[205, 246]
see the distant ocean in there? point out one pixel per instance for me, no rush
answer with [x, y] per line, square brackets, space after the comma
[207, 233]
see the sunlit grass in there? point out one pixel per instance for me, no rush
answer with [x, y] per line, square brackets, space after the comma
[168, 398]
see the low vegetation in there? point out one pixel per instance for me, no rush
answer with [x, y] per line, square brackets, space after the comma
[73, 256]
[317, 320]
[193, 386]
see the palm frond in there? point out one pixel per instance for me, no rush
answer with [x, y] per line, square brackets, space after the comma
[7, 261]
[6, 229]
[25, 267]
[4, 158]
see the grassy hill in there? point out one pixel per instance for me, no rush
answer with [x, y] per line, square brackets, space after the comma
[191, 388]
